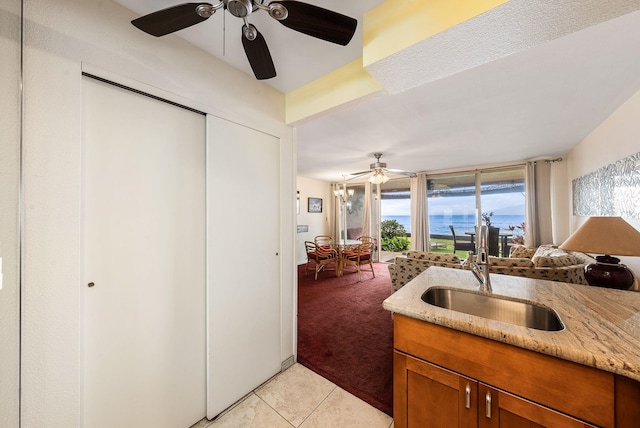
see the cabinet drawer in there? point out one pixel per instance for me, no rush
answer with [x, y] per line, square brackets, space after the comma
[568, 387]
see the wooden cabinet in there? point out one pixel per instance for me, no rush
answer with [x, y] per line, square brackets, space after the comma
[436, 397]
[447, 378]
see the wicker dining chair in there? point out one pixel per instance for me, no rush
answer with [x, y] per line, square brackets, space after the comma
[320, 257]
[359, 255]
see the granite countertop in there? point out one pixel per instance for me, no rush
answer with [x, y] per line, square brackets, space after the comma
[602, 326]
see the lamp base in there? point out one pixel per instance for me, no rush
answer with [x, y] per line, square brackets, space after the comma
[606, 272]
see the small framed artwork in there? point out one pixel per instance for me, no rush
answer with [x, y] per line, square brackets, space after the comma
[315, 205]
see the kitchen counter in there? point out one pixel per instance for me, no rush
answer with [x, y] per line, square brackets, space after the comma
[602, 326]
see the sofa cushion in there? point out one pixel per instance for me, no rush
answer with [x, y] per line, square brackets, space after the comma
[556, 261]
[522, 252]
[510, 262]
[434, 257]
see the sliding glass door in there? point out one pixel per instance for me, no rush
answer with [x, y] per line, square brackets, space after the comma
[458, 203]
[452, 212]
[503, 206]
[395, 217]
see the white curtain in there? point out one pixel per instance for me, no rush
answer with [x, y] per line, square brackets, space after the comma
[366, 222]
[419, 214]
[539, 226]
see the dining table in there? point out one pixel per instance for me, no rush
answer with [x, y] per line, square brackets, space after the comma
[341, 246]
[503, 240]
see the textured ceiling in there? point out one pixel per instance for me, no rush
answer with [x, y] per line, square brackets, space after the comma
[468, 111]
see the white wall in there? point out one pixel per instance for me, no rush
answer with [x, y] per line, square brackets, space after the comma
[616, 138]
[9, 234]
[62, 37]
[319, 224]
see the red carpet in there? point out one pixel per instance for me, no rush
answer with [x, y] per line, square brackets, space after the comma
[345, 335]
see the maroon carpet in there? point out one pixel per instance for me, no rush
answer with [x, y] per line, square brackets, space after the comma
[345, 335]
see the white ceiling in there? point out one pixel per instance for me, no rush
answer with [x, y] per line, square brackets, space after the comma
[538, 102]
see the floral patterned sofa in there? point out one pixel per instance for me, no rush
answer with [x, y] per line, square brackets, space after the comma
[545, 262]
[404, 269]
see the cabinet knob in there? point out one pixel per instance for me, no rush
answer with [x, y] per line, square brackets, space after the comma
[91, 284]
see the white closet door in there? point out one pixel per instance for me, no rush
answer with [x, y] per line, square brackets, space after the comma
[144, 249]
[243, 237]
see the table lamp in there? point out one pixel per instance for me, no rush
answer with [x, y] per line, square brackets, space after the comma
[608, 236]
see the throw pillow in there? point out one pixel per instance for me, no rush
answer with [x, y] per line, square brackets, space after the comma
[521, 252]
[556, 261]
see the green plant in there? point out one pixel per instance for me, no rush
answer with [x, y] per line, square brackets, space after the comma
[391, 229]
[396, 244]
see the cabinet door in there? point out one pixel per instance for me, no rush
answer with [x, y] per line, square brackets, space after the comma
[500, 409]
[435, 397]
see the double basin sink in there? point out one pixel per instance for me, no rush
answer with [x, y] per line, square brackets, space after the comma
[498, 308]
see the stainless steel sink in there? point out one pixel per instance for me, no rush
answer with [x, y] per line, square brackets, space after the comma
[518, 312]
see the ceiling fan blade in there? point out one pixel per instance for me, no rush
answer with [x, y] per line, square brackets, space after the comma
[318, 22]
[401, 172]
[361, 172]
[258, 54]
[171, 19]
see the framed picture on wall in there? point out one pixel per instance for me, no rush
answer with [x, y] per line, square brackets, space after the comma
[315, 205]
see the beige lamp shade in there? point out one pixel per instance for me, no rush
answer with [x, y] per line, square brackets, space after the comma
[605, 235]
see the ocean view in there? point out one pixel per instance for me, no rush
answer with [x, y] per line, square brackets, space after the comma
[439, 224]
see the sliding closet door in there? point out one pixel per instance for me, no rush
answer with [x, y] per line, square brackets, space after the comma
[243, 261]
[144, 261]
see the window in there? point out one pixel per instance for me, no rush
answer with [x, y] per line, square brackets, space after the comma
[462, 201]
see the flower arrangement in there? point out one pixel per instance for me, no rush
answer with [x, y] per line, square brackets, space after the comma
[486, 217]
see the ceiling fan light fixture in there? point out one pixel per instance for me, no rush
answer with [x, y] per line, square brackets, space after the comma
[378, 177]
[240, 8]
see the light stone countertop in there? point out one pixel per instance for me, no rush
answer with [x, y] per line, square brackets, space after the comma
[602, 326]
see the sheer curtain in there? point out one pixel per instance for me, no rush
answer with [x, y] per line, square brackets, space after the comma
[366, 222]
[419, 214]
[335, 219]
[539, 228]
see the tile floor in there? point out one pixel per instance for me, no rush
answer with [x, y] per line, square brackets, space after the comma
[300, 398]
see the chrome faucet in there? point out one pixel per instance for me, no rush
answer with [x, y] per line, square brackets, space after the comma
[480, 266]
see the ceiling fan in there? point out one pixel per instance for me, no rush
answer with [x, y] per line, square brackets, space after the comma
[379, 171]
[302, 17]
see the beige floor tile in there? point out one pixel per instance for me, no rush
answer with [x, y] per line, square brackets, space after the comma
[201, 424]
[295, 393]
[251, 413]
[344, 410]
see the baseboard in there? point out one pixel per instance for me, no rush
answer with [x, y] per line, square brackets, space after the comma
[287, 363]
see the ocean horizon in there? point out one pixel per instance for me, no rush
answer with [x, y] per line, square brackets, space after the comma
[439, 224]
